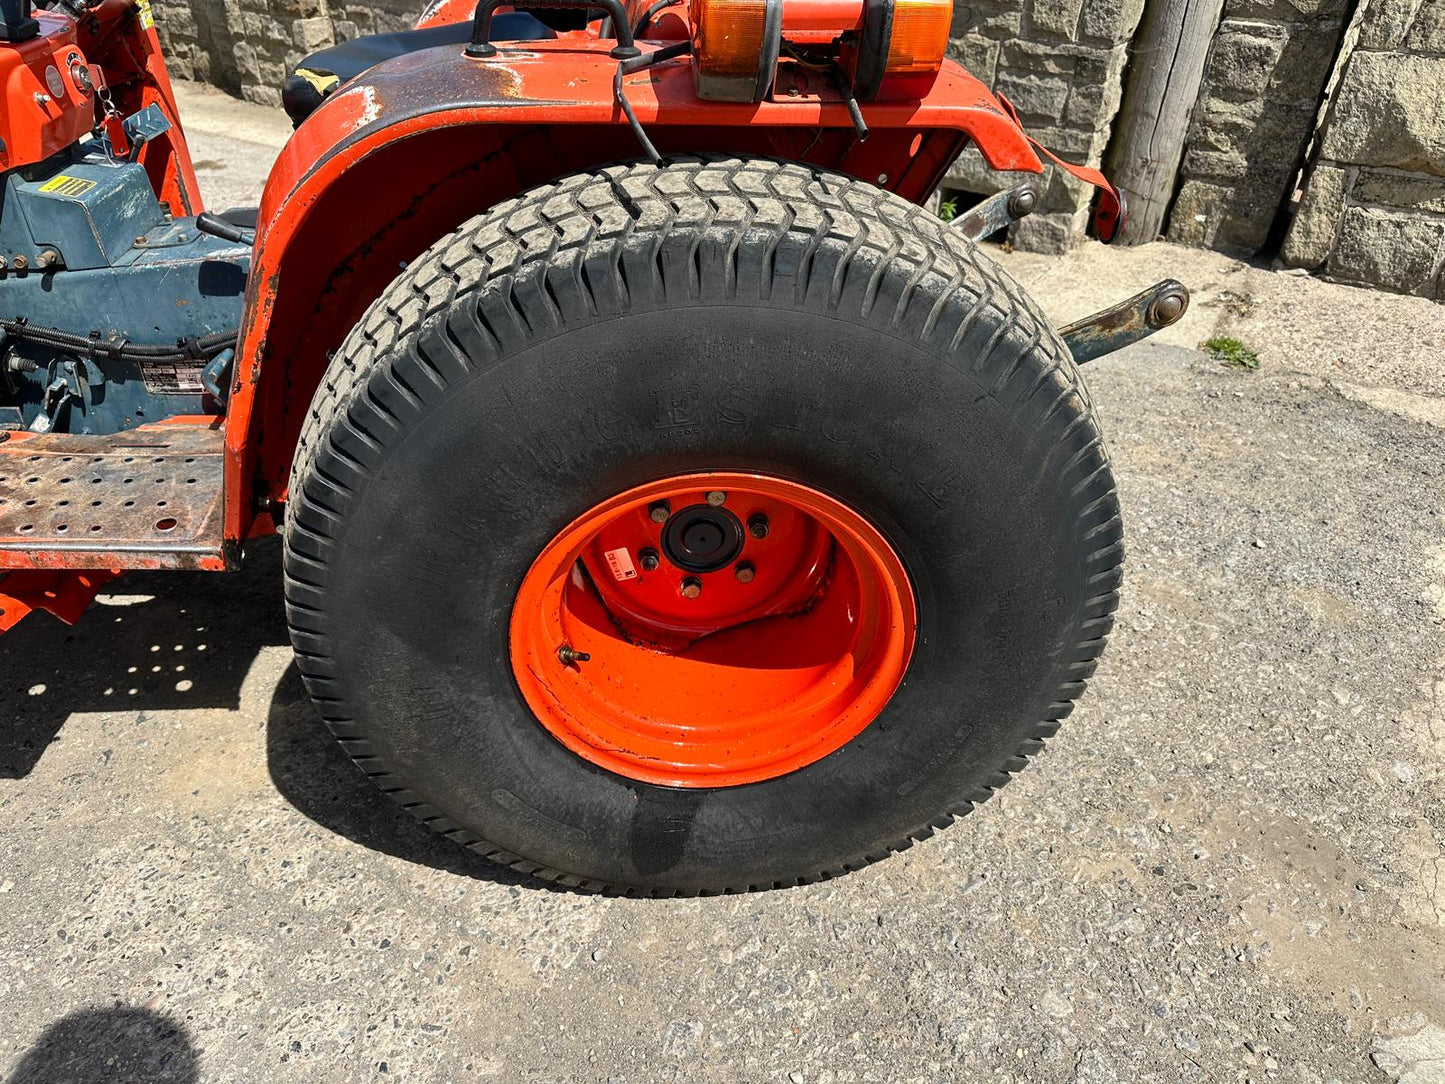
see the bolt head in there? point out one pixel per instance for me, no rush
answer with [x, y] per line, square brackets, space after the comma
[659, 511]
[1022, 204]
[717, 498]
[1166, 310]
[692, 587]
[745, 572]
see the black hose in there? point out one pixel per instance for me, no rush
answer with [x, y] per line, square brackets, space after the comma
[94, 346]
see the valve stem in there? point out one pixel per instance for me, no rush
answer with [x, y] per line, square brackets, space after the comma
[570, 656]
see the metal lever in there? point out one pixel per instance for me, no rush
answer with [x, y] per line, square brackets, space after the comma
[219, 227]
[998, 212]
[1126, 323]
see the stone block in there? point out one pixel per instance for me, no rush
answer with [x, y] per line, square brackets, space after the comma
[1400, 252]
[1251, 211]
[978, 55]
[1317, 219]
[268, 96]
[1410, 193]
[247, 63]
[992, 20]
[1090, 104]
[1287, 11]
[1027, 56]
[1427, 34]
[312, 34]
[1111, 21]
[1056, 18]
[1386, 22]
[1226, 165]
[970, 173]
[1198, 209]
[1053, 234]
[1036, 97]
[1243, 60]
[1304, 64]
[1388, 113]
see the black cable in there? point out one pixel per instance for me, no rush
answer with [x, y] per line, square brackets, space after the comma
[637, 64]
[95, 347]
[855, 112]
[650, 14]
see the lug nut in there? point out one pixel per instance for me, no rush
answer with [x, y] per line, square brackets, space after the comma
[570, 656]
[745, 572]
[649, 560]
[758, 526]
[717, 498]
[691, 587]
[22, 263]
[658, 511]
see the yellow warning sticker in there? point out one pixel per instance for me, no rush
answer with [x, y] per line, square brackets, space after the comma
[62, 185]
[147, 20]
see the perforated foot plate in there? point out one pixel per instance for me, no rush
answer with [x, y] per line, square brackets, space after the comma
[148, 498]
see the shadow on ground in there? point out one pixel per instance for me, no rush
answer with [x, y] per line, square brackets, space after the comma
[175, 642]
[114, 1046]
[314, 774]
[158, 641]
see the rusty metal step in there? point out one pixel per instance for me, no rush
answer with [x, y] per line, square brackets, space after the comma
[147, 498]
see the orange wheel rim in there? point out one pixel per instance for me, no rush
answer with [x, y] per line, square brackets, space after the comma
[710, 630]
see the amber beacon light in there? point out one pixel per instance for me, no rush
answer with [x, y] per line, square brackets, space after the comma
[901, 47]
[883, 48]
[735, 48]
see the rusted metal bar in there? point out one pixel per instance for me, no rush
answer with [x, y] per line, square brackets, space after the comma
[1127, 322]
[998, 212]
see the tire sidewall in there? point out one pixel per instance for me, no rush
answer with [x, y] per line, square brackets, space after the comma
[437, 541]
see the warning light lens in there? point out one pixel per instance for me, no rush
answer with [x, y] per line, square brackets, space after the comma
[735, 47]
[920, 36]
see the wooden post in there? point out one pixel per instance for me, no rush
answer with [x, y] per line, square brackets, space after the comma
[1166, 69]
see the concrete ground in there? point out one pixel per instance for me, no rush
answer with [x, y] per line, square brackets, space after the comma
[1228, 866]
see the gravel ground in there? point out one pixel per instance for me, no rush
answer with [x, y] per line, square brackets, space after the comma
[1228, 865]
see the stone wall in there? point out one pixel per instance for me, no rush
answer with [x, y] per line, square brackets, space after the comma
[1061, 63]
[248, 47]
[1373, 208]
[1263, 82]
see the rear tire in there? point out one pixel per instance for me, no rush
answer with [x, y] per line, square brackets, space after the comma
[628, 324]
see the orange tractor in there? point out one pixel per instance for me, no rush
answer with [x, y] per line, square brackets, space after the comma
[671, 503]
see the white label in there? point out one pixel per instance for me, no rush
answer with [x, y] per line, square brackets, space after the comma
[172, 377]
[620, 561]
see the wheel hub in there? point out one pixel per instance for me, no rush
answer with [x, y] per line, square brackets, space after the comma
[702, 538]
[748, 653]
